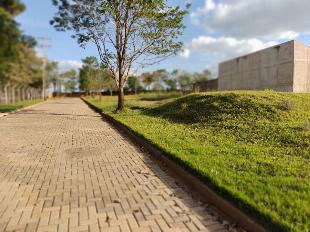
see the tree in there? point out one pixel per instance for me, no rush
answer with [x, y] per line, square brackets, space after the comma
[181, 78]
[9, 36]
[19, 64]
[28, 41]
[148, 79]
[160, 77]
[128, 34]
[53, 76]
[27, 63]
[69, 80]
[13, 7]
[21, 70]
[107, 80]
[87, 72]
[95, 76]
[133, 83]
[201, 77]
[171, 81]
[69, 85]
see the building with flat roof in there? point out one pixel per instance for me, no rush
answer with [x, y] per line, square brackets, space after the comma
[285, 67]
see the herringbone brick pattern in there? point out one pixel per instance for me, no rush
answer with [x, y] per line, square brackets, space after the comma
[62, 168]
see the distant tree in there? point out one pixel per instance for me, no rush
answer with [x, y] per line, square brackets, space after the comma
[107, 80]
[53, 76]
[69, 85]
[87, 72]
[185, 79]
[133, 83]
[181, 78]
[68, 74]
[69, 80]
[27, 62]
[172, 84]
[128, 34]
[95, 77]
[200, 77]
[160, 77]
[148, 79]
[101, 79]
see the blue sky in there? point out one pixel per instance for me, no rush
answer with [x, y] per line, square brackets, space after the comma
[216, 30]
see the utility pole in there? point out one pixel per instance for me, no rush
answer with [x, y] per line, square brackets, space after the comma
[43, 44]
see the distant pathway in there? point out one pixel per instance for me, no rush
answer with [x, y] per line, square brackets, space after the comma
[62, 168]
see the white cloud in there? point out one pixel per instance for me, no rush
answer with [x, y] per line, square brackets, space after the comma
[238, 27]
[209, 5]
[185, 53]
[65, 65]
[288, 35]
[223, 48]
[262, 19]
[226, 47]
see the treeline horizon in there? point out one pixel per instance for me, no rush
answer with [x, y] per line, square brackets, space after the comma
[94, 77]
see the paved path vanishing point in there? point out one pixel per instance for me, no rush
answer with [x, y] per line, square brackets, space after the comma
[62, 168]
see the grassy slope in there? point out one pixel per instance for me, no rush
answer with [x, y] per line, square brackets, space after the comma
[254, 147]
[16, 106]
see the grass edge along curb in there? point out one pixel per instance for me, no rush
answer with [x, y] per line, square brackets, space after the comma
[36, 103]
[199, 186]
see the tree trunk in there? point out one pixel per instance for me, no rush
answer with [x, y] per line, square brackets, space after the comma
[100, 95]
[58, 88]
[24, 93]
[19, 95]
[13, 93]
[121, 99]
[27, 93]
[30, 94]
[0, 95]
[6, 94]
[55, 87]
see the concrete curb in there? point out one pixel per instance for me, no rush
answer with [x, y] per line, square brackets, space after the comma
[2, 115]
[199, 187]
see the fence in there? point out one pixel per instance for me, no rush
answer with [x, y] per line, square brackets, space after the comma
[17, 93]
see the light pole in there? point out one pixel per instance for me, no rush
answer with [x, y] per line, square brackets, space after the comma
[43, 44]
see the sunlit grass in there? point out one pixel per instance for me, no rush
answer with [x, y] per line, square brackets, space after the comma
[253, 147]
[5, 108]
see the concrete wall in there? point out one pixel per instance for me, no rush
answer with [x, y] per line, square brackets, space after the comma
[204, 86]
[301, 67]
[281, 68]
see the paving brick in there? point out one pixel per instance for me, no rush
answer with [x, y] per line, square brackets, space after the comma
[63, 168]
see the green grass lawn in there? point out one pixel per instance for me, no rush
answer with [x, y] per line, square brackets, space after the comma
[252, 147]
[15, 106]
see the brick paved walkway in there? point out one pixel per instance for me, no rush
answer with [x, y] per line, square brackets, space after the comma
[62, 168]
